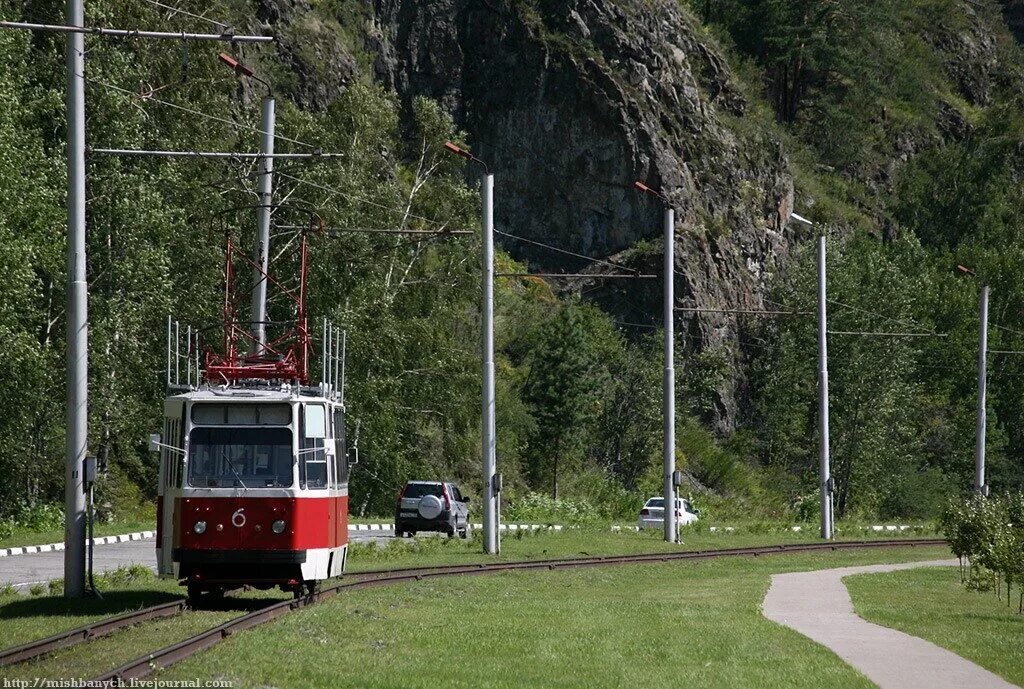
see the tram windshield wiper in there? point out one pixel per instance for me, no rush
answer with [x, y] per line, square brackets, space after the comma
[231, 466]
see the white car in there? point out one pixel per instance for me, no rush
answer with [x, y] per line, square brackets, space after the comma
[652, 516]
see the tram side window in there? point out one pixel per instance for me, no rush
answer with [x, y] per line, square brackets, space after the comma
[340, 451]
[179, 460]
[166, 457]
[314, 435]
[173, 460]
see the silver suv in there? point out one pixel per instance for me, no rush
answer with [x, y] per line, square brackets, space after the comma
[431, 506]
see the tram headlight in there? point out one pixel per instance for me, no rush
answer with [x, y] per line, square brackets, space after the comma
[200, 527]
[278, 526]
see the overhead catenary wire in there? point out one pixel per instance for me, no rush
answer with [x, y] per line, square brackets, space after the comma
[581, 276]
[360, 199]
[1004, 328]
[230, 155]
[885, 334]
[137, 33]
[191, 111]
[186, 13]
[752, 312]
[556, 249]
[382, 230]
[901, 321]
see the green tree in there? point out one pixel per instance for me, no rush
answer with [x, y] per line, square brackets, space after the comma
[563, 387]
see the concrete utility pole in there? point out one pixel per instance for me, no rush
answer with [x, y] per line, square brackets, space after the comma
[489, 440]
[491, 477]
[77, 288]
[823, 446]
[979, 446]
[78, 318]
[261, 256]
[669, 379]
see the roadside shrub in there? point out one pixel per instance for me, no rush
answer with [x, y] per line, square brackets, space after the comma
[36, 517]
[806, 509]
[988, 534]
[537, 508]
[123, 576]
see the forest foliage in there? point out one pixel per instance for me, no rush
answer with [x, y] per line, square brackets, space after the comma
[857, 91]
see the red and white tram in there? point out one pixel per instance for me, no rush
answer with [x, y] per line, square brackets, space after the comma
[253, 489]
[253, 483]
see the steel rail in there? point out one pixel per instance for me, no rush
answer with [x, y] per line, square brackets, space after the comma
[100, 628]
[146, 665]
[93, 630]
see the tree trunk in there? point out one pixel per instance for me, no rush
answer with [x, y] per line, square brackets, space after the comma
[554, 479]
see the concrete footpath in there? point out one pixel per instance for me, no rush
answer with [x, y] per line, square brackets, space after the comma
[817, 605]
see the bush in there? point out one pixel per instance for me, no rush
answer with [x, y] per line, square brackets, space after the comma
[988, 533]
[537, 508]
[37, 517]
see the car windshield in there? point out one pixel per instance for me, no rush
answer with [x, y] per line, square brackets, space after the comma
[418, 490]
[660, 502]
[248, 457]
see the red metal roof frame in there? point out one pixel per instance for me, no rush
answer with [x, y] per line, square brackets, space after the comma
[285, 358]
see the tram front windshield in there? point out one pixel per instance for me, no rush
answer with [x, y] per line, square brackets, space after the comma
[247, 457]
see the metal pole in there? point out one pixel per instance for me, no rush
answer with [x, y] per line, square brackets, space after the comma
[78, 333]
[669, 379]
[489, 441]
[261, 258]
[337, 346]
[979, 447]
[177, 353]
[823, 447]
[216, 155]
[168, 350]
[324, 355]
[341, 383]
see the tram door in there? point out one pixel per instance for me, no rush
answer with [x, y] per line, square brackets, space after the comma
[171, 467]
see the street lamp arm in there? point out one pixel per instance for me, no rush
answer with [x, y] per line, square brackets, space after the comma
[800, 218]
[241, 70]
[463, 153]
[643, 188]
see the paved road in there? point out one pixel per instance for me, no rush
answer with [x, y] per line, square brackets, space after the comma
[817, 605]
[24, 570]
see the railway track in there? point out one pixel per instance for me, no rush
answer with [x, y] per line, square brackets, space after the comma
[164, 657]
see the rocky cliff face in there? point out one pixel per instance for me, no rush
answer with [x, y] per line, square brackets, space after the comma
[570, 101]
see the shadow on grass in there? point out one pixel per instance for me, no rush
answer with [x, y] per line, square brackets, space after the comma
[117, 602]
[113, 602]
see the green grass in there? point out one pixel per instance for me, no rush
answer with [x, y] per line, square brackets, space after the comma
[23, 536]
[90, 659]
[664, 625]
[597, 540]
[932, 604]
[24, 618]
